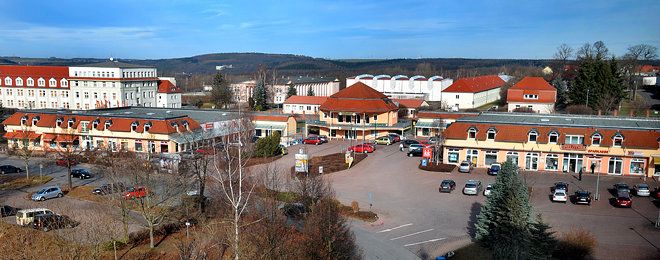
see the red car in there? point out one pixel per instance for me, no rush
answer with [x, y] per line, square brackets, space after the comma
[426, 144]
[623, 200]
[315, 140]
[372, 145]
[135, 193]
[62, 162]
[361, 148]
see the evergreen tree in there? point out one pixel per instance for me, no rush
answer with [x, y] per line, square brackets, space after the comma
[260, 96]
[543, 243]
[221, 92]
[310, 92]
[562, 88]
[291, 91]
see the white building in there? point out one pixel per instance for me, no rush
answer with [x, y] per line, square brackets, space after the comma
[404, 87]
[169, 95]
[99, 85]
[468, 93]
[308, 105]
[321, 86]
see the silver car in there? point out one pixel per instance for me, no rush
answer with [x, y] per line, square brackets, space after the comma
[465, 167]
[642, 190]
[415, 147]
[47, 193]
[472, 187]
[488, 190]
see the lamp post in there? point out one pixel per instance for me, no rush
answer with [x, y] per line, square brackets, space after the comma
[597, 197]
[587, 97]
[187, 226]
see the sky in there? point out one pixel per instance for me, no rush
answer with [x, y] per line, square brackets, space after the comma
[335, 29]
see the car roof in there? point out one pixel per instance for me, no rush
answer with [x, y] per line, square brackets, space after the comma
[33, 210]
[447, 180]
[495, 164]
[643, 185]
[473, 181]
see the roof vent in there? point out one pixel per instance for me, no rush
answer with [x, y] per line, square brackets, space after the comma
[545, 120]
[224, 114]
[128, 112]
[151, 114]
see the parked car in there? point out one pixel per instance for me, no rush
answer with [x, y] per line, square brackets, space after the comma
[488, 190]
[81, 173]
[48, 193]
[294, 210]
[559, 196]
[642, 190]
[6, 211]
[26, 216]
[63, 162]
[472, 187]
[10, 169]
[465, 166]
[623, 199]
[447, 186]
[494, 169]
[384, 140]
[48, 222]
[315, 140]
[395, 137]
[323, 138]
[561, 186]
[415, 147]
[582, 197]
[360, 148]
[621, 186]
[373, 146]
[407, 143]
[434, 140]
[109, 188]
[415, 153]
[136, 193]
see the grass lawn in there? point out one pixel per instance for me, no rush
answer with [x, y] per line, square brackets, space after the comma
[21, 182]
[489, 105]
[626, 107]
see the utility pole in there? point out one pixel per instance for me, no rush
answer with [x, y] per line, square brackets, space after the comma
[587, 97]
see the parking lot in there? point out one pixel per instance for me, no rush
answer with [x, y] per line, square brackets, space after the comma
[414, 216]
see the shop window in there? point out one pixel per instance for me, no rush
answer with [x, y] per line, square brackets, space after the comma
[552, 162]
[532, 161]
[491, 157]
[452, 155]
[615, 165]
[512, 157]
[637, 166]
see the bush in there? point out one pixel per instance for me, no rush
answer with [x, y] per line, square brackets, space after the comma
[432, 167]
[579, 110]
[108, 245]
[575, 244]
[268, 146]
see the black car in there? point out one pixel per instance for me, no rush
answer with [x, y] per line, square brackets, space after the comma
[109, 188]
[9, 169]
[621, 187]
[51, 221]
[294, 210]
[494, 169]
[416, 152]
[406, 143]
[447, 186]
[81, 173]
[561, 186]
[582, 197]
[6, 211]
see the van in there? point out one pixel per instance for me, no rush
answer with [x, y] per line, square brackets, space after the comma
[26, 216]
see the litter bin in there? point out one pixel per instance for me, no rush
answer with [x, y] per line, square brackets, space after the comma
[425, 162]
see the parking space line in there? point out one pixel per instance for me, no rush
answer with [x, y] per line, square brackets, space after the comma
[390, 229]
[427, 241]
[416, 233]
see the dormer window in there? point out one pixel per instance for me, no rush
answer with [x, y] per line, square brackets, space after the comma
[41, 82]
[70, 122]
[617, 140]
[186, 125]
[24, 119]
[147, 126]
[472, 133]
[35, 120]
[553, 137]
[59, 121]
[108, 123]
[175, 125]
[595, 139]
[52, 82]
[491, 134]
[532, 136]
[96, 123]
[134, 126]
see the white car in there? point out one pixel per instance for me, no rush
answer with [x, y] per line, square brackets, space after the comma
[642, 190]
[465, 167]
[488, 190]
[472, 187]
[559, 196]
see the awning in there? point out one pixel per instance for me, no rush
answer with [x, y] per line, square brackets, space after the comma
[428, 125]
[22, 135]
[48, 137]
[66, 138]
[269, 127]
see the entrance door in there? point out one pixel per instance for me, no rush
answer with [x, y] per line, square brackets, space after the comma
[572, 162]
[595, 162]
[472, 156]
[532, 161]
[351, 134]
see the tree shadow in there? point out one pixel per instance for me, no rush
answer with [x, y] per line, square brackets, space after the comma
[423, 254]
[472, 220]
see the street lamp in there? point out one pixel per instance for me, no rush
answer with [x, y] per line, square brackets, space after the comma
[187, 226]
[597, 197]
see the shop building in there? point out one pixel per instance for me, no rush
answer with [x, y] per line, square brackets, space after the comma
[556, 143]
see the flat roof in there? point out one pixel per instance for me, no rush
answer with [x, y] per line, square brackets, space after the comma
[638, 123]
[114, 64]
[156, 113]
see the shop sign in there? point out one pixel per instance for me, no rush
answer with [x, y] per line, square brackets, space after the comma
[596, 151]
[427, 152]
[573, 147]
[635, 153]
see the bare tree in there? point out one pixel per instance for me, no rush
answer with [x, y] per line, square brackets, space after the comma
[24, 147]
[631, 64]
[561, 58]
[68, 152]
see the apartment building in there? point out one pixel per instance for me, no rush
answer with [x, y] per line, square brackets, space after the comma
[532, 93]
[278, 89]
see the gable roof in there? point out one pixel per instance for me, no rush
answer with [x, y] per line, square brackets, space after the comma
[410, 103]
[359, 98]
[35, 72]
[475, 84]
[533, 83]
[165, 86]
[114, 64]
[308, 100]
[358, 90]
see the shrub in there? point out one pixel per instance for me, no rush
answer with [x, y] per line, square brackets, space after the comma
[575, 244]
[268, 146]
[579, 110]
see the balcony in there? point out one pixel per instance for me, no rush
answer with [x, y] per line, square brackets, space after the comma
[402, 124]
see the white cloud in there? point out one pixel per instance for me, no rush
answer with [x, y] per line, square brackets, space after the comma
[48, 33]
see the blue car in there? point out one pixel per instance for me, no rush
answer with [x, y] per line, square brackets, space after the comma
[494, 169]
[47, 193]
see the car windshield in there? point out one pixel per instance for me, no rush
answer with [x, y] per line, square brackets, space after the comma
[489, 188]
[470, 185]
[560, 194]
[582, 193]
[464, 164]
[643, 187]
[622, 186]
[445, 183]
[495, 167]
[42, 191]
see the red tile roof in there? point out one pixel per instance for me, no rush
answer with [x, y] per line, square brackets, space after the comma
[649, 68]
[532, 86]
[533, 83]
[165, 86]
[30, 135]
[359, 98]
[409, 103]
[641, 139]
[475, 84]
[35, 72]
[308, 100]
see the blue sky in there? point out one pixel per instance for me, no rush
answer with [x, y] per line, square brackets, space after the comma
[326, 29]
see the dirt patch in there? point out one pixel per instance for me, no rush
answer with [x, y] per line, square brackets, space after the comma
[432, 167]
[85, 193]
[367, 216]
[331, 163]
[262, 160]
[21, 182]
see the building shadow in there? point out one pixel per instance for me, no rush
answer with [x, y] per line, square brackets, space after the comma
[472, 220]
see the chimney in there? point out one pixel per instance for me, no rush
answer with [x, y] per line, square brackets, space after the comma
[632, 113]
[615, 112]
[648, 113]
[600, 112]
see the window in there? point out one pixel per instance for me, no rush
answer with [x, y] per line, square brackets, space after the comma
[637, 166]
[375, 117]
[70, 122]
[309, 107]
[84, 127]
[617, 140]
[615, 166]
[107, 125]
[532, 161]
[457, 96]
[42, 93]
[147, 126]
[532, 136]
[472, 133]
[96, 95]
[340, 118]
[491, 157]
[491, 134]
[530, 96]
[31, 93]
[512, 157]
[19, 82]
[86, 94]
[7, 81]
[52, 82]
[552, 162]
[95, 123]
[553, 137]
[452, 155]
[77, 94]
[574, 139]
[595, 139]
[134, 126]
[30, 82]
[41, 82]
[138, 145]
[64, 83]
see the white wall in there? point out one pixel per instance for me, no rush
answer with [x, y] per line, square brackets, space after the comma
[171, 100]
[430, 89]
[541, 108]
[300, 108]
